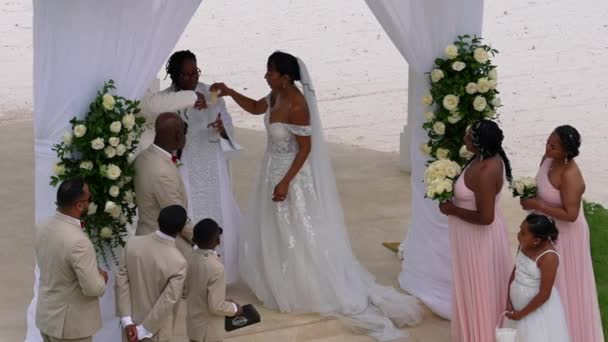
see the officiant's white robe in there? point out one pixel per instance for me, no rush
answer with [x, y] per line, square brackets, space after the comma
[205, 166]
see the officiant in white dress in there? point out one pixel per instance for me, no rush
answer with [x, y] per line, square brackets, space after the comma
[204, 161]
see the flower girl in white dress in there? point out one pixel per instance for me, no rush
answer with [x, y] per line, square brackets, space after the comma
[534, 306]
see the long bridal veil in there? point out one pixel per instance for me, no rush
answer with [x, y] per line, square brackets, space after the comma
[383, 303]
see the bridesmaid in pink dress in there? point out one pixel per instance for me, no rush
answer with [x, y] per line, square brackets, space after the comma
[481, 259]
[560, 190]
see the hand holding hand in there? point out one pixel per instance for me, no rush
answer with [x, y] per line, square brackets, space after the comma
[104, 274]
[131, 332]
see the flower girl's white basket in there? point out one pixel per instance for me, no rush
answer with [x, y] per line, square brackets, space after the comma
[505, 334]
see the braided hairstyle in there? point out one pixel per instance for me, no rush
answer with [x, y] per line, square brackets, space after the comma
[488, 137]
[285, 64]
[542, 227]
[570, 140]
[174, 64]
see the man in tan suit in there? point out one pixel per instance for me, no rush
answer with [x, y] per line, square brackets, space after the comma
[150, 280]
[158, 183]
[70, 280]
[206, 287]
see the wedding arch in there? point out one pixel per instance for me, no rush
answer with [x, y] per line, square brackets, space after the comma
[80, 44]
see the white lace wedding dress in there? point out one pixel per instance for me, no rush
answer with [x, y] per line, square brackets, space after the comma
[296, 255]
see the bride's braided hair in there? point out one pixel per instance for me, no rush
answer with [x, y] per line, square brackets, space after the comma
[174, 64]
[488, 137]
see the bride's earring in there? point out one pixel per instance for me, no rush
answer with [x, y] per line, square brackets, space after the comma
[283, 84]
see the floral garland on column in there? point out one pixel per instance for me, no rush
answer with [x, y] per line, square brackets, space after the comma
[101, 150]
[463, 90]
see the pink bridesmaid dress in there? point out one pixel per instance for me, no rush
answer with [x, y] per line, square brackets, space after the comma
[481, 267]
[575, 281]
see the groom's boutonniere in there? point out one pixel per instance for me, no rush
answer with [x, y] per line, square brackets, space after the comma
[176, 161]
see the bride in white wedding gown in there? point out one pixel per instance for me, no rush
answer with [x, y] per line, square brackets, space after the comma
[295, 253]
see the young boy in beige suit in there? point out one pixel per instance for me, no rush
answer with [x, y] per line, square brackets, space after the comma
[206, 287]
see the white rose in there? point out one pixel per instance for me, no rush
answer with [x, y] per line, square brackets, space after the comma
[465, 153]
[430, 193]
[450, 102]
[530, 182]
[113, 172]
[131, 136]
[109, 151]
[106, 233]
[519, 186]
[496, 102]
[480, 103]
[454, 117]
[128, 121]
[459, 66]
[122, 219]
[87, 165]
[114, 191]
[436, 75]
[128, 180]
[129, 197]
[452, 171]
[481, 55]
[130, 158]
[68, 138]
[489, 113]
[426, 149]
[451, 51]
[439, 128]
[108, 101]
[80, 131]
[493, 74]
[113, 209]
[483, 85]
[442, 153]
[115, 127]
[492, 84]
[427, 100]
[114, 141]
[59, 169]
[92, 208]
[429, 116]
[120, 150]
[97, 144]
[471, 88]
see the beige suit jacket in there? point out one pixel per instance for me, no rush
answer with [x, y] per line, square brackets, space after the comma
[149, 283]
[158, 184]
[70, 283]
[206, 291]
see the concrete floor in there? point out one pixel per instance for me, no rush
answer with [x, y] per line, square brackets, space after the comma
[376, 200]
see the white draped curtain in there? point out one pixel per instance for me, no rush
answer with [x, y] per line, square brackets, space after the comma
[420, 29]
[79, 44]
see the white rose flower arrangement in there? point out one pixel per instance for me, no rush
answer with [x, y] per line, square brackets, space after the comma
[524, 187]
[439, 178]
[100, 148]
[463, 90]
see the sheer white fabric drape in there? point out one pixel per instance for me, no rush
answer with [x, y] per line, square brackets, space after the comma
[77, 46]
[420, 29]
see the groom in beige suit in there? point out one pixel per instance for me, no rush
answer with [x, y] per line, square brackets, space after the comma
[158, 183]
[70, 281]
[150, 280]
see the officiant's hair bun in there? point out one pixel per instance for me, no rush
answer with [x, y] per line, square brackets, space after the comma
[174, 64]
[69, 192]
[285, 64]
[542, 227]
[570, 139]
[172, 219]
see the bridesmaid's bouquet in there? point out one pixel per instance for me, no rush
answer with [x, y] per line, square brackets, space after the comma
[524, 187]
[439, 179]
